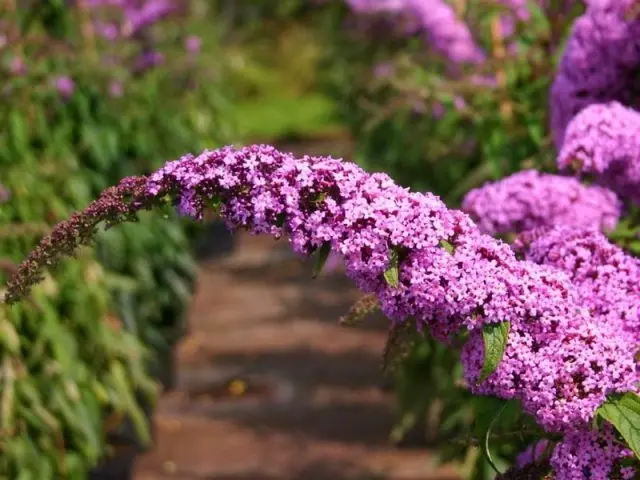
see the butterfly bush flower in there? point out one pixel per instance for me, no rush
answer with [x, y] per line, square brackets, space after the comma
[534, 453]
[116, 89]
[603, 140]
[376, 6]
[531, 199]
[599, 63]
[193, 44]
[561, 361]
[138, 17]
[148, 60]
[435, 19]
[447, 34]
[606, 277]
[5, 194]
[64, 85]
[590, 455]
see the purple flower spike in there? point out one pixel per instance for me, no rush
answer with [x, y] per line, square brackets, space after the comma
[193, 44]
[116, 89]
[599, 63]
[603, 140]
[64, 85]
[5, 194]
[531, 199]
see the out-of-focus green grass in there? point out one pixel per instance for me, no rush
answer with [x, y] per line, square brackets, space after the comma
[273, 79]
[274, 116]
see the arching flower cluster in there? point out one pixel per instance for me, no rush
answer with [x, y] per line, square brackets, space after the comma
[561, 361]
[563, 355]
[530, 199]
[607, 280]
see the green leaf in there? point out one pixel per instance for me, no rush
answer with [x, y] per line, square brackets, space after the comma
[280, 219]
[448, 246]
[391, 274]
[124, 389]
[623, 412]
[495, 336]
[321, 257]
[9, 338]
[18, 132]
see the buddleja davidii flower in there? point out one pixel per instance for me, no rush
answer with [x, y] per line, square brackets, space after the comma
[376, 6]
[141, 15]
[599, 62]
[114, 206]
[447, 34]
[534, 453]
[607, 278]
[420, 259]
[580, 455]
[603, 140]
[435, 19]
[530, 199]
[5, 194]
[592, 455]
[562, 376]
[367, 218]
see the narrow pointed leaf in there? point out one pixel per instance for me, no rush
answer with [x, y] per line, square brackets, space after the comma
[448, 246]
[391, 274]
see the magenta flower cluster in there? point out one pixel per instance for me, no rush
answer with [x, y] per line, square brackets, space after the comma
[603, 140]
[606, 277]
[530, 199]
[590, 455]
[599, 63]
[607, 281]
[561, 361]
[436, 20]
[130, 21]
[5, 195]
[135, 15]
[583, 455]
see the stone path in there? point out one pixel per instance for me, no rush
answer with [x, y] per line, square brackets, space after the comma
[313, 408]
